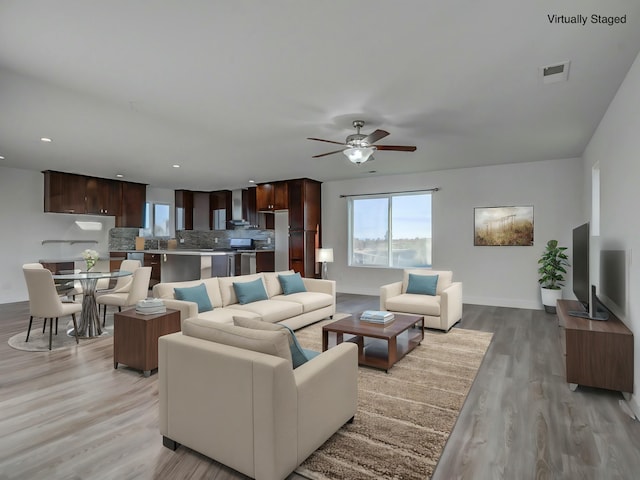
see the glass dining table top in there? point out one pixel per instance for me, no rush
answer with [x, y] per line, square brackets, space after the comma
[90, 275]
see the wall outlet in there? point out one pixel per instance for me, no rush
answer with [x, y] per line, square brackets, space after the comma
[182, 240]
[215, 240]
[268, 240]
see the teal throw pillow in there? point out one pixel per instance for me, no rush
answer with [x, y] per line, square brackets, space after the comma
[195, 294]
[248, 292]
[299, 355]
[422, 284]
[291, 283]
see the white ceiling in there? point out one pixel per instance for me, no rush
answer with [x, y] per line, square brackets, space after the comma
[230, 89]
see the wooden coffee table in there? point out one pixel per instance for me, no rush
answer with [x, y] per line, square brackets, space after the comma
[379, 346]
[135, 337]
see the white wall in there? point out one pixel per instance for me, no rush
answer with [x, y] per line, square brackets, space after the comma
[504, 276]
[25, 225]
[615, 147]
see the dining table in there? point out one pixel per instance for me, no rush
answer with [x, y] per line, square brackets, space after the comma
[89, 325]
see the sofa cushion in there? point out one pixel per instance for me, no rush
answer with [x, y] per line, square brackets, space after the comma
[273, 284]
[248, 292]
[197, 294]
[298, 354]
[269, 342]
[413, 303]
[272, 310]
[227, 292]
[166, 290]
[291, 283]
[310, 301]
[445, 277]
[422, 284]
[226, 315]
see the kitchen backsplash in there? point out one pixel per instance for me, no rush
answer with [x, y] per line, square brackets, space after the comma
[125, 239]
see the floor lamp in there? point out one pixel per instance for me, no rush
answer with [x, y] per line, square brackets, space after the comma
[324, 256]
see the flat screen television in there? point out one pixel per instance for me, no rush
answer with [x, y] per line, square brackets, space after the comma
[583, 289]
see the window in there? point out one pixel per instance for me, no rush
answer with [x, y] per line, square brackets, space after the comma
[392, 230]
[156, 225]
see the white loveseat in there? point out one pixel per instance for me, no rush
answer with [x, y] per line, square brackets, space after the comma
[295, 310]
[441, 311]
[231, 395]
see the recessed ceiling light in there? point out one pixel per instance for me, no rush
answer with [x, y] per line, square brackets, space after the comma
[250, 181]
[46, 140]
[175, 165]
[119, 175]
[1, 157]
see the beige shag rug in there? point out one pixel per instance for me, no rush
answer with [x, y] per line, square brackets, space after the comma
[405, 416]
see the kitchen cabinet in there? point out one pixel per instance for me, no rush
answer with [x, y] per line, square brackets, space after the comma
[64, 192]
[102, 196]
[184, 210]
[272, 196]
[265, 261]
[79, 194]
[133, 198]
[202, 210]
[115, 260]
[304, 225]
[249, 209]
[220, 204]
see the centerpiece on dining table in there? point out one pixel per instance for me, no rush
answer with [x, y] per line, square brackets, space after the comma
[90, 257]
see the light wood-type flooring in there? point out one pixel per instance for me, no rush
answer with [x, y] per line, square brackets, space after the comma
[70, 415]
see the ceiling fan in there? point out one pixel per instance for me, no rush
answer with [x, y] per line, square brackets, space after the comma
[359, 147]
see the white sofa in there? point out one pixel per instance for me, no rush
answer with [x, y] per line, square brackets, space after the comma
[295, 310]
[441, 311]
[250, 410]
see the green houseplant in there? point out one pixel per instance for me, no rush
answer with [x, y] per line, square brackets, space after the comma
[551, 274]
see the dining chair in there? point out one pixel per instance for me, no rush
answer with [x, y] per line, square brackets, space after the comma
[123, 284]
[44, 301]
[139, 290]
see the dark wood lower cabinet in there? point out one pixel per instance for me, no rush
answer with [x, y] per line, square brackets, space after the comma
[598, 353]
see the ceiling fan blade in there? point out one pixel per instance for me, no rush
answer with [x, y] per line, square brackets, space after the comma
[398, 148]
[325, 154]
[375, 136]
[323, 140]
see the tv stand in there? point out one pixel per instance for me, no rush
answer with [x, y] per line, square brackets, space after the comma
[598, 354]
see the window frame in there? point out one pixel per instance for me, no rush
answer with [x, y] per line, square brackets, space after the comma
[389, 197]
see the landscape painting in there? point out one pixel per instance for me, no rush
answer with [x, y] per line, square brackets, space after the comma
[503, 226]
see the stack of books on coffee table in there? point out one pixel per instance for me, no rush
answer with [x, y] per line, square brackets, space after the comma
[377, 316]
[150, 306]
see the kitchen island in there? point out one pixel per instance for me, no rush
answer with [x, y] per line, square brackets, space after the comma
[177, 265]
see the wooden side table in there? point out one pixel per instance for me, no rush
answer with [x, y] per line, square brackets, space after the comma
[135, 337]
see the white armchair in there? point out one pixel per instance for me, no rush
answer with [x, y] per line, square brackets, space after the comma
[441, 311]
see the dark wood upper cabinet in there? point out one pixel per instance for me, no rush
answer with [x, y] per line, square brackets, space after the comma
[133, 198]
[79, 194]
[272, 196]
[184, 210]
[249, 209]
[220, 207]
[102, 196]
[64, 192]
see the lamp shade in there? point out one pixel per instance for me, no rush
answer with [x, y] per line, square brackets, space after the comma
[359, 155]
[324, 255]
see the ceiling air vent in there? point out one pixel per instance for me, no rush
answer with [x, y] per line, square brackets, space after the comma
[558, 72]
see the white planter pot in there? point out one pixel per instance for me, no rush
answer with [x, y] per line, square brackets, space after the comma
[549, 299]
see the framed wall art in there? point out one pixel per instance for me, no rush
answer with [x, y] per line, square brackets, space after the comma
[503, 226]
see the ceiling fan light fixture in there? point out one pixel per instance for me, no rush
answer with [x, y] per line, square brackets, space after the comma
[359, 155]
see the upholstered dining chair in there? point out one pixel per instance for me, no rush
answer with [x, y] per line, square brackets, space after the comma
[44, 301]
[139, 290]
[123, 284]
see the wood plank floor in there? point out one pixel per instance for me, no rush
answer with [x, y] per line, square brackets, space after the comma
[70, 415]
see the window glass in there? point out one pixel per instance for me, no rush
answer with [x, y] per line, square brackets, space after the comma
[161, 220]
[390, 230]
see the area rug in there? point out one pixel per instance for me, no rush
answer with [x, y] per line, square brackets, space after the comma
[39, 342]
[404, 417]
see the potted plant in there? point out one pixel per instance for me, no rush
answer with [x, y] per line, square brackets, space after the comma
[552, 273]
